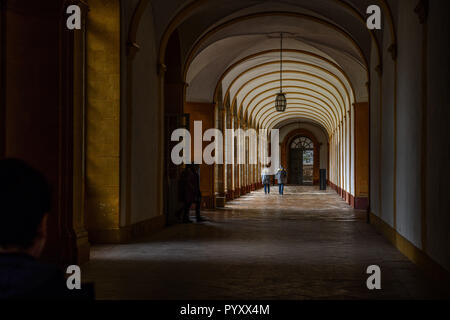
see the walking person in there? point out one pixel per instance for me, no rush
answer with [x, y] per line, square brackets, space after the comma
[190, 184]
[282, 179]
[265, 177]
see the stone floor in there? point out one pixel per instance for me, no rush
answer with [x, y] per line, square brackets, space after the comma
[307, 244]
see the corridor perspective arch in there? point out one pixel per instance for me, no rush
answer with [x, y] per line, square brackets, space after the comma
[285, 150]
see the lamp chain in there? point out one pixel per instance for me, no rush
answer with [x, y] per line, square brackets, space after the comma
[281, 62]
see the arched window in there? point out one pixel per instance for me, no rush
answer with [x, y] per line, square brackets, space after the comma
[302, 143]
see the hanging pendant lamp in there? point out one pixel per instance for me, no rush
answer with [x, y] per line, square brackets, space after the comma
[280, 100]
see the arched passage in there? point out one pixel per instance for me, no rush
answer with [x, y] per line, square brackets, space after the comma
[152, 66]
[291, 154]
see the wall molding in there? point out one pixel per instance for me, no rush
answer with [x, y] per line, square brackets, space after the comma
[427, 264]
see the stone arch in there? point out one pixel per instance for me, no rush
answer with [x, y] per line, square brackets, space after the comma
[285, 150]
[132, 44]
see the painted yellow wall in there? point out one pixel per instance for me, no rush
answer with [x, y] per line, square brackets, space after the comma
[103, 116]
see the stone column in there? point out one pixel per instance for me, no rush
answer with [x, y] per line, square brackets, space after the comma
[219, 168]
[237, 171]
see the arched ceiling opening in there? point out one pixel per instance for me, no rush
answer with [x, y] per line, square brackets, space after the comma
[288, 122]
[234, 46]
[316, 86]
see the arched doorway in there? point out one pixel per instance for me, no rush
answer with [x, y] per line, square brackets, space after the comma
[301, 161]
[292, 157]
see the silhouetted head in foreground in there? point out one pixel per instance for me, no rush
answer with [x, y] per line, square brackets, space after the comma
[25, 200]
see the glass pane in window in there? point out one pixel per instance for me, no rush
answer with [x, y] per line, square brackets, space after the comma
[308, 157]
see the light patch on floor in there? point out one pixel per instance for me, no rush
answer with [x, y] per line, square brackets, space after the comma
[306, 244]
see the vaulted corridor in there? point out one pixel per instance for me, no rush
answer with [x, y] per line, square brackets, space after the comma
[145, 109]
[308, 244]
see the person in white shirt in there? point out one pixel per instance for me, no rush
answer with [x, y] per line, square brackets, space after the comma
[265, 177]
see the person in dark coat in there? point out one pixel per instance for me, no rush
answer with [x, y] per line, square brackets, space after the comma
[24, 205]
[282, 179]
[190, 185]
